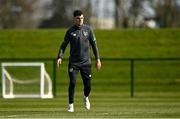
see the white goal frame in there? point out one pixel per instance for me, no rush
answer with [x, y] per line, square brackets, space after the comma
[43, 76]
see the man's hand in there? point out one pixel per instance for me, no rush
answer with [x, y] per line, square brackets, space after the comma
[98, 64]
[58, 62]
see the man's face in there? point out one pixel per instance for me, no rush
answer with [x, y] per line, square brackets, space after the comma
[78, 20]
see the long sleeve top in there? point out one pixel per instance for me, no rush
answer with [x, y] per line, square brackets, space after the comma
[80, 39]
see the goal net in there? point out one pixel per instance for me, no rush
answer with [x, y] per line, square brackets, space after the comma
[25, 80]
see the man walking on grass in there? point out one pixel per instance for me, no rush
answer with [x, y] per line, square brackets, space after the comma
[80, 37]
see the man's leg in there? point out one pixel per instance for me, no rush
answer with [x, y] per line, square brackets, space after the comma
[86, 77]
[73, 71]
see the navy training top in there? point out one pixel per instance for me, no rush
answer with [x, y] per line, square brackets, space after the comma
[80, 39]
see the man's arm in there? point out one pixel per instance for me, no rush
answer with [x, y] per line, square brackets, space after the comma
[62, 49]
[95, 49]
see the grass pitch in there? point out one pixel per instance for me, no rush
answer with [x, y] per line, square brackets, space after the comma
[157, 88]
[103, 105]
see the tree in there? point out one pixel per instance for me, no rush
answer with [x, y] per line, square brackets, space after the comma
[127, 12]
[121, 16]
[61, 15]
[63, 10]
[117, 14]
[12, 13]
[168, 13]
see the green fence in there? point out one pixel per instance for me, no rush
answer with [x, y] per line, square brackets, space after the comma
[132, 71]
[134, 68]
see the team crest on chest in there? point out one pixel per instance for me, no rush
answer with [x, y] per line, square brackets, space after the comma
[85, 33]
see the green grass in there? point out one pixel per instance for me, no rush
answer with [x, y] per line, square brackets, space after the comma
[107, 105]
[119, 43]
[156, 96]
[157, 83]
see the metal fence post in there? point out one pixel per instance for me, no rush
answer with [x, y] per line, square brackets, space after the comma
[132, 76]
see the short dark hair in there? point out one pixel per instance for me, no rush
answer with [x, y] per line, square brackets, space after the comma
[77, 13]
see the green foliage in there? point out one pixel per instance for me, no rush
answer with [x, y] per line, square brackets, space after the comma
[30, 43]
[129, 43]
[139, 43]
